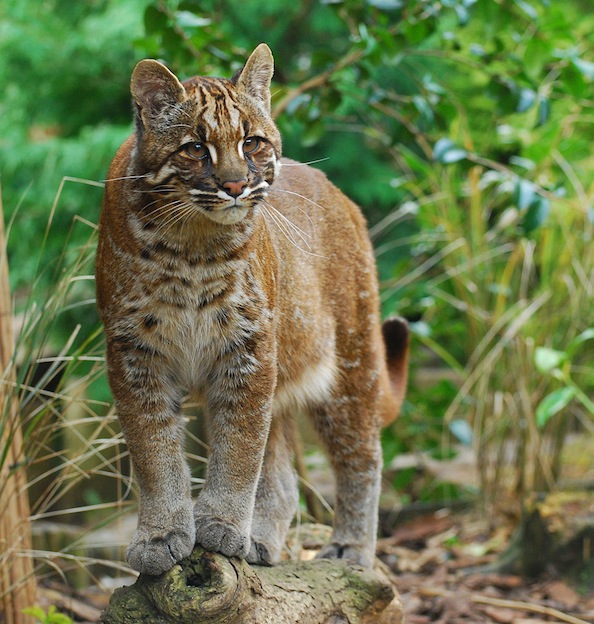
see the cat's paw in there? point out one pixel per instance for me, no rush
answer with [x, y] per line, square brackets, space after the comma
[353, 553]
[263, 554]
[216, 535]
[152, 551]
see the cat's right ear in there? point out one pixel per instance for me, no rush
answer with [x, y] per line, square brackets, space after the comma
[153, 88]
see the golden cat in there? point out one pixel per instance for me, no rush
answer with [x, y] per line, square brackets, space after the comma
[248, 282]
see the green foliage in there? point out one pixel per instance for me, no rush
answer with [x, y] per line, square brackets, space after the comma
[463, 128]
[50, 617]
[64, 110]
[558, 365]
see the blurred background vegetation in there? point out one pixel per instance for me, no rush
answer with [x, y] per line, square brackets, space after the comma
[462, 127]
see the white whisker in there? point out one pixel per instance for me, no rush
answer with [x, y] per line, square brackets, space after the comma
[280, 225]
[166, 208]
[283, 229]
[134, 177]
[310, 162]
[311, 201]
[306, 215]
[177, 213]
[160, 189]
[297, 230]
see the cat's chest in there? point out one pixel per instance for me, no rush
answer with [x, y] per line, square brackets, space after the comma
[193, 313]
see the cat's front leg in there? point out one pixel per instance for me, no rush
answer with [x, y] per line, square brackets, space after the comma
[149, 411]
[240, 415]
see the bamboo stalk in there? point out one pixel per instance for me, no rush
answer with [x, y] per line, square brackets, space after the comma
[18, 587]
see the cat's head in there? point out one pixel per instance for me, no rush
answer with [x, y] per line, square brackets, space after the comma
[210, 143]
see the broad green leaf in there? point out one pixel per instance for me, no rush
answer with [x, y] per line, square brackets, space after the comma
[524, 193]
[536, 56]
[576, 342]
[547, 359]
[536, 215]
[187, 19]
[313, 133]
[154, 20]
[526, 99]
[544, 111]
[386, 5]
[527, 8]
[462, 431]
[447, 152]
[586, 68]
[552, 404]
[36, 612]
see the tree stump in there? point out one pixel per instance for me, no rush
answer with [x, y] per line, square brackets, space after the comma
[210, 588]
[555, 530]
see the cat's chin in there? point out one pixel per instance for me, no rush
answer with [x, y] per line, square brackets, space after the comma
[228, 216]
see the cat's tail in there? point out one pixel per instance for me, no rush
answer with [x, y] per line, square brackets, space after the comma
[396, 338]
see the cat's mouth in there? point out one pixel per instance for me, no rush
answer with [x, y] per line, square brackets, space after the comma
[222, 207]
[232, 212]
[233, 209]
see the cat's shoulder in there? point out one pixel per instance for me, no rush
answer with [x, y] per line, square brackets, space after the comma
[295, 173]
[313, 187]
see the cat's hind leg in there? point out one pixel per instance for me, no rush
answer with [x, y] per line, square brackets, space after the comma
[277, 496]
[349, 429]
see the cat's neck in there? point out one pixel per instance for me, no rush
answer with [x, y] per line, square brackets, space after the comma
[193, 234]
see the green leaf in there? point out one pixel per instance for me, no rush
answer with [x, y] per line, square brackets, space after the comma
[547, 359]
[524, 193]
[187, 19]
[313, 133]
[462, 431]
[576, 342]
[37, 612]
[446, 152]
[544, 111]
[527, 8]
[553, 403]
[154, 20]
[386, 5]
[526, 100]
[586, 68]
[536, 215]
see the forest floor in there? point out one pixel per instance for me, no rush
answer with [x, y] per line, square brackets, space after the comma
[441, 562]
[440, 565]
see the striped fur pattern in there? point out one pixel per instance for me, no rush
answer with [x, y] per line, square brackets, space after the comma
[248, 282]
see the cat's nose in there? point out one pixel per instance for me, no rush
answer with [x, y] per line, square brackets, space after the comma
[235, 188]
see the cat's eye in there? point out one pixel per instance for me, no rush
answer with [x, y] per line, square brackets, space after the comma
[197, 151]
[251, 145]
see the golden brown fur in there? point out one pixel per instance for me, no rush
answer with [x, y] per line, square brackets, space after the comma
[252, 286]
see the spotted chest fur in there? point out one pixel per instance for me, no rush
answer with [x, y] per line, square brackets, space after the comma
[248, 281]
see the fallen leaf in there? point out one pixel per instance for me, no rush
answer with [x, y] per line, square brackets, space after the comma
[561, 592]
[500, 615]
[420, 529]
[503, 581]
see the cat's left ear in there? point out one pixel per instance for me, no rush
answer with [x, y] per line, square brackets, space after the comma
[256, 75]
[154, 87]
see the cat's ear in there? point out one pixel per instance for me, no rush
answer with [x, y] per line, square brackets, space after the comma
[154, 87]
[256, 75]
